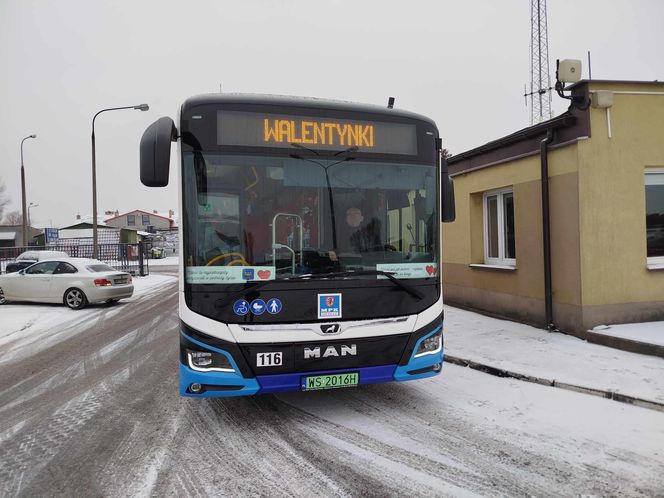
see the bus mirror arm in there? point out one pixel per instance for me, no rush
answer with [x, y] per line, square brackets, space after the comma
[448, 210]
[155, 152]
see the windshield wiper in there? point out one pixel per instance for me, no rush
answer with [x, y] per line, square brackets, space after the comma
[358, 273]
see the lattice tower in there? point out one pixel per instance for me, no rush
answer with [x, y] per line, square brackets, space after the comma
[540, 80]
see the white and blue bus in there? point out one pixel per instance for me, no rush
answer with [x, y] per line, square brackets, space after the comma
[309, 242]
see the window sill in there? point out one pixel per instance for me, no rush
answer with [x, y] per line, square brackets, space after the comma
[655, 266]
[495, 267]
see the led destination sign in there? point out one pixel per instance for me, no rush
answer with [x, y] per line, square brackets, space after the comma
[252, 129]
[317, 133]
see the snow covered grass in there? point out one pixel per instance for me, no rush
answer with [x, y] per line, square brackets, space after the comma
[39, 325]
[528, 350]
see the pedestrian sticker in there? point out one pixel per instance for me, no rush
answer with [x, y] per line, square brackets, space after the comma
[257, 306]
[329, 306]
[241, 307]
[273, 306]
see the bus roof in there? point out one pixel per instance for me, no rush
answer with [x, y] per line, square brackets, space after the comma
[291, 101]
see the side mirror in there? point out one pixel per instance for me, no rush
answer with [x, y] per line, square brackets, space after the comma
[155, 152]
[21, 272]
[448, 212]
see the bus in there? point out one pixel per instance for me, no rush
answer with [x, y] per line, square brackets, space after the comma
[310, 246]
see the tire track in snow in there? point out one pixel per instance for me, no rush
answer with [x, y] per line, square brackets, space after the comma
[68, 393]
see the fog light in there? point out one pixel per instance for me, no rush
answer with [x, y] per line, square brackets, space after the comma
[437, 367]
[196, 388]
[430, 345]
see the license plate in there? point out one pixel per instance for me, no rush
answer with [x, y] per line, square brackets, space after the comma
[333, 381]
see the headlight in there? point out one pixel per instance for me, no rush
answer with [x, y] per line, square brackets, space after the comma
[430, 345]
[207, 361]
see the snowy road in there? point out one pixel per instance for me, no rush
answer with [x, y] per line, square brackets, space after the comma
[97, 414]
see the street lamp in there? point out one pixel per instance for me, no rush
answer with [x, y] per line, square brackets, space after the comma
[141, 107]
[25, 221]
[32, 205]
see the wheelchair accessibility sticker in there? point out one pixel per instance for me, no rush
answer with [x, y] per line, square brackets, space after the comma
[241, 307]
[329, 306]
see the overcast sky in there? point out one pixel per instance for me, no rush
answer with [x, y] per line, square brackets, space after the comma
[464, 64]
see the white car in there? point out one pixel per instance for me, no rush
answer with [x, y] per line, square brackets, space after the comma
[75, 282]
[28, 258]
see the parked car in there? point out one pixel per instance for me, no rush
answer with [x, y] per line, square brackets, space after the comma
[28, 258]
[75, 282]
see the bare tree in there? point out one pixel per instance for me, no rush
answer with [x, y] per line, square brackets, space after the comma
[4, 198]
[14, 218]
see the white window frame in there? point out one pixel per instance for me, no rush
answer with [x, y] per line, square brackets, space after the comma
[654, 261]
[501, 260]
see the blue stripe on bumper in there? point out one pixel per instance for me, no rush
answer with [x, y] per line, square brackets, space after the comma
[292, 381]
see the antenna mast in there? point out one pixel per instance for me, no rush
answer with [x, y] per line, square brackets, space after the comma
[540, 81]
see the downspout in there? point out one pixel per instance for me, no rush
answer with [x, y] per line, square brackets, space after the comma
[546, 230]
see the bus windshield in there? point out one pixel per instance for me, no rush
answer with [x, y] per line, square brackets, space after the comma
[252, 218]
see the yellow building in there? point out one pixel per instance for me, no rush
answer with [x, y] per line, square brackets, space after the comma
[605, 162]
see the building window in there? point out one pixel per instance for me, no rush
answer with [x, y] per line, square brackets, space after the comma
[655, 215]
[131, 220]
[146, 220]
[499, 243]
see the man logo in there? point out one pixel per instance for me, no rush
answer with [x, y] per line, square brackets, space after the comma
[330, 328]
[330, 351]
[329, 300]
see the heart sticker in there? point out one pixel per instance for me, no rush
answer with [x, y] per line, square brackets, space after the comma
[431, 270]
[264, 274]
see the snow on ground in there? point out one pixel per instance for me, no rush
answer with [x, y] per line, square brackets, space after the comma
[535, 428]
[650, 332]
[168, 261]
[536, 352]
[39, 325]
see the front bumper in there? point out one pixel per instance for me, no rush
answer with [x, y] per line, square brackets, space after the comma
[401, 365]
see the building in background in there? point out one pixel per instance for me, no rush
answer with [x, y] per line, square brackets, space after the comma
[606, 182]
[12, 235]
[145, 221]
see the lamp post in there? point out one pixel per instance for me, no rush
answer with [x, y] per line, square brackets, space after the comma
[31, 205]
[25, 220]
[141, 107]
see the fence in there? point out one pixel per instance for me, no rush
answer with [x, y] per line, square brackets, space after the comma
[131, 258]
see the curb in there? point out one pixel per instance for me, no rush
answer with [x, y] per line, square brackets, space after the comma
[623, 343]
[499, 372]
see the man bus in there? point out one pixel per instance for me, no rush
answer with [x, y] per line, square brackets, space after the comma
[310, 242]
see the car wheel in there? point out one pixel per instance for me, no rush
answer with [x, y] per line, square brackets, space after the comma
[75, 299]
[3, 300]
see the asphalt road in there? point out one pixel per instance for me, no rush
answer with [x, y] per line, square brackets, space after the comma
[98, 414]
